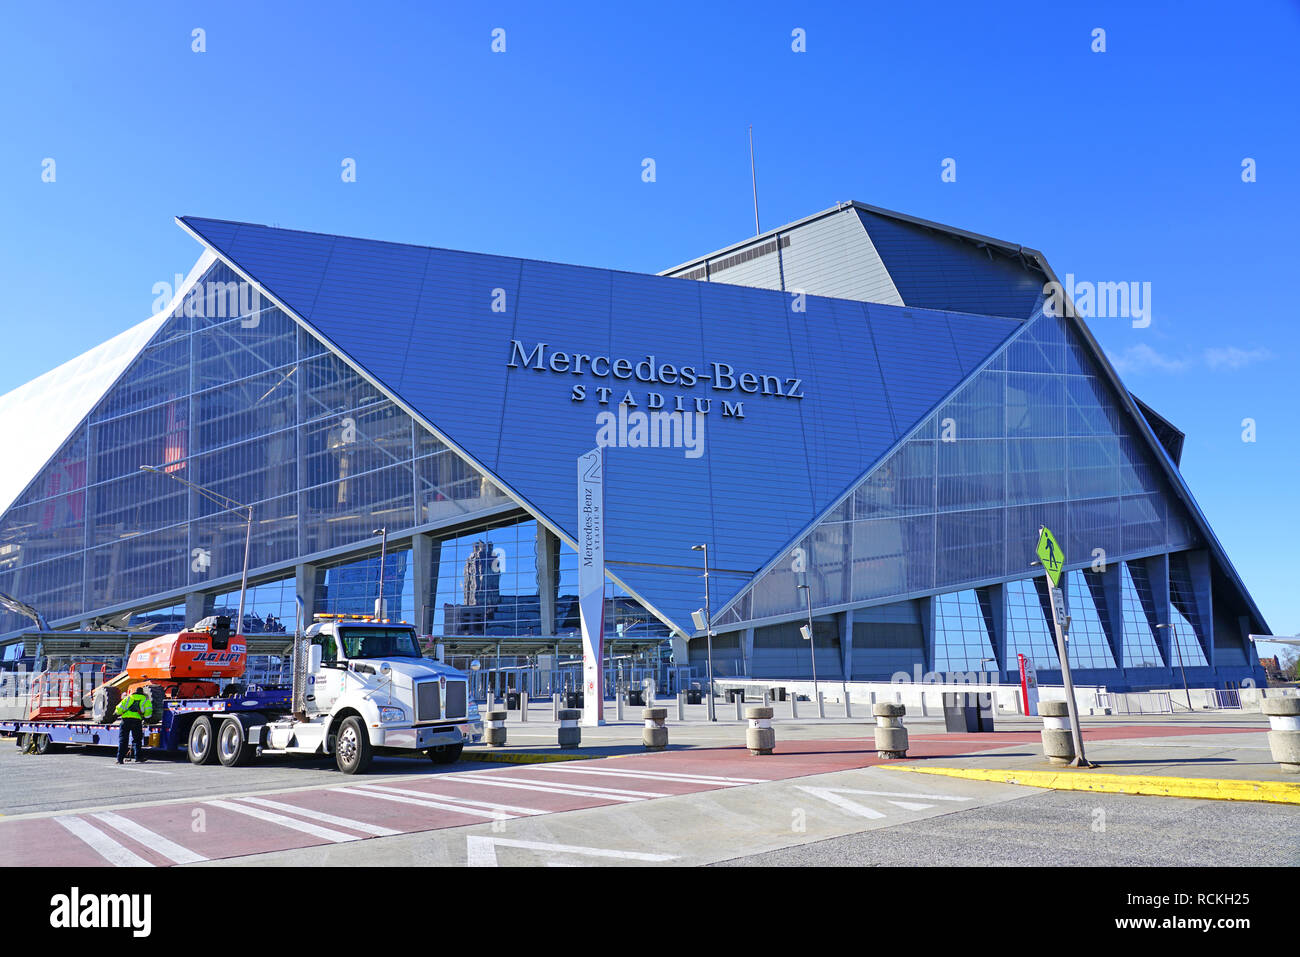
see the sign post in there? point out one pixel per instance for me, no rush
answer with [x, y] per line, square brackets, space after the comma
[591, 583]
[1053, 560]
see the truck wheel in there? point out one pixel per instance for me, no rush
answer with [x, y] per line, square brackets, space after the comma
[104, 705]
[352, 751]
[201, 746]
[445, 754]
[233, 749]
[45, 746]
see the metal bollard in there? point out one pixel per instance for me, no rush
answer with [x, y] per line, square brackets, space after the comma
[794, 704]
[740, 706]
[760, 738]
[681, 706]
[767, 697]
[1058, 744]
[821, 705]
[523, 706]
[655, 734]
[555, 706]
[570, 732]
[1284, 738]
[848, 706]
[618, 705]
[891, 736]
[495, 726]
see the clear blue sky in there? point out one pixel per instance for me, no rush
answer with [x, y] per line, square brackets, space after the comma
[1123, 165]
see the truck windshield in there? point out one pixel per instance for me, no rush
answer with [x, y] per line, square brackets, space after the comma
[379, 643]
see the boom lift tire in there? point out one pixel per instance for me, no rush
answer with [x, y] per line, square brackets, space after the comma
[104, 707]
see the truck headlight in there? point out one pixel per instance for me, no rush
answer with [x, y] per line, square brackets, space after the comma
[391, 715]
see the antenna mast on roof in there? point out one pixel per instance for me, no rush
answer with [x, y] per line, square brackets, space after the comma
[753, 178]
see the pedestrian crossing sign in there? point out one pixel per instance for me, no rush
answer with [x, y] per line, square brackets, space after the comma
[1050, 554]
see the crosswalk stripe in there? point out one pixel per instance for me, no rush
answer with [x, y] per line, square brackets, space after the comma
[666, 776]
[375, 829]
[101, 843]
[587, 787]
[155, 842]
[455, 799]
[335, 837]
[370, 792]
[547, 787]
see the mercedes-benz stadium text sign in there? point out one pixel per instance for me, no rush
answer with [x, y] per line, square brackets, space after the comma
[721, 377]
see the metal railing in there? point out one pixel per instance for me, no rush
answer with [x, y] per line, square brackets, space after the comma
[1137, 702]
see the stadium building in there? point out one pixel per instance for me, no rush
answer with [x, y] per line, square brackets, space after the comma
[882, 409]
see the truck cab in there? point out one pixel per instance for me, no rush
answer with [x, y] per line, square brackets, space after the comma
[368, 687]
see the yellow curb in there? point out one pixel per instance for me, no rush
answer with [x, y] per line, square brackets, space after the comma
[1214, 789]
[516, 757]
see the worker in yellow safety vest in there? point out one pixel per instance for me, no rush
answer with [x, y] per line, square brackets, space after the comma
[133, 709]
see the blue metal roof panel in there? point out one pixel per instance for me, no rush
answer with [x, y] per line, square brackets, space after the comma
[421, 322]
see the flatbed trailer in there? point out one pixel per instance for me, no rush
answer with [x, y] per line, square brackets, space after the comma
[169, 732]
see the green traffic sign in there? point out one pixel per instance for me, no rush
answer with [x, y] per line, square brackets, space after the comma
[1050, 554]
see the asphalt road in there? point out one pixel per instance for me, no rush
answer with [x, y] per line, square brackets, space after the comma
[1067, 828]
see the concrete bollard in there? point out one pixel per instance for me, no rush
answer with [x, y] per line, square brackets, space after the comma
[891, 736]
[570, 732]
[681, 706]
[655, 734]
[523, 706]
[760, 738]
[1058, 744]
[494, 724]
[1284, 738]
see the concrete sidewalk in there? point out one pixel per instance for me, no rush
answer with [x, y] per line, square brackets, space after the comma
[1192, 755]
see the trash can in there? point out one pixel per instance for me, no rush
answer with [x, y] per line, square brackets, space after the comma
[636, 699]
[512, 700]
[735, 694]
[693, 696]
[778, 694]
[573, 699]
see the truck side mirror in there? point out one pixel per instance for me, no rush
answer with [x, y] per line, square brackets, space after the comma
[316, 654]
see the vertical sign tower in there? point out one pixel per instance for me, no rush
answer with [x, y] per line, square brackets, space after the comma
[591, 583]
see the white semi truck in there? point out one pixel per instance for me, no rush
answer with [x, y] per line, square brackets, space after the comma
[363, 687]
[359, 686]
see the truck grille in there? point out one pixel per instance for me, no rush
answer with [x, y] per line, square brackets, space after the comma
[456, 699]
[428, 703]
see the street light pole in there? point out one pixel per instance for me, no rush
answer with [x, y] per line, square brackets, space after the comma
[1179, 649]
[383, 556]
[228, 503]
[708, 623]
[812, 643]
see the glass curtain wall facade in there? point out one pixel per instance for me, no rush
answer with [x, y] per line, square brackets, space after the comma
[232, 395]
[1035, 438]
